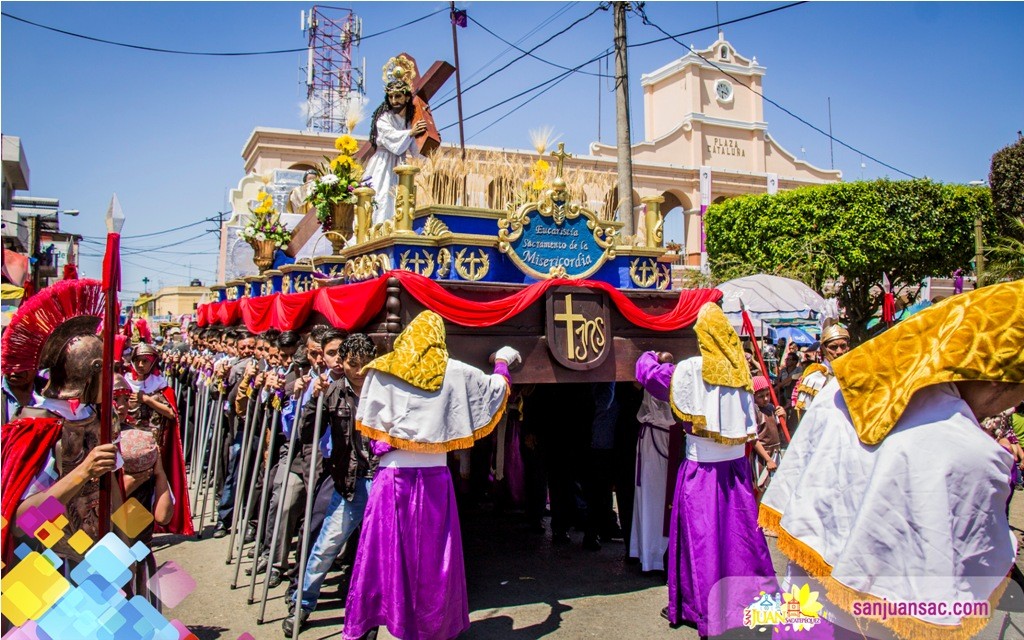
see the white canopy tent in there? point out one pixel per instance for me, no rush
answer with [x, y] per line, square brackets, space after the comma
[770, 298]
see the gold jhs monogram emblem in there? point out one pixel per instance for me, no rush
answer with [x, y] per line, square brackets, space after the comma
[584, 338]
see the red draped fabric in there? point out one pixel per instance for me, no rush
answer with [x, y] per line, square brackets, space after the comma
[27, 442]
[351, 306]
[257, 313]
[291, 311]
[227, 312]
[173, 458]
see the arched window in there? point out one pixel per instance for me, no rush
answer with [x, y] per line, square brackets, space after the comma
[724, 52]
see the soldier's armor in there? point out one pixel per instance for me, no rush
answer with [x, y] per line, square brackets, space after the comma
[77, 439]
[142, 416]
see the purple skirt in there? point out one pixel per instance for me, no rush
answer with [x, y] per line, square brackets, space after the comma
[718, 560]
[409, 574]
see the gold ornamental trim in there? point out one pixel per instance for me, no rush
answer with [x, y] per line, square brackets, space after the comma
[474, 266]
[605, 233]
[643, 273]
[444, 263]
[420, 262]
[367, 267]
[434, 228]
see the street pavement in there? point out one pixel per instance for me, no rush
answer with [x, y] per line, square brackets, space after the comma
[520, 587]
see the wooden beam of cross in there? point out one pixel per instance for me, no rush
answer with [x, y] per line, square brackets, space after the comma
[424, 88]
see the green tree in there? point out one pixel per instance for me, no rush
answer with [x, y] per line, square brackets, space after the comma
[848, 234]
[1006, 179]
[1004, 256]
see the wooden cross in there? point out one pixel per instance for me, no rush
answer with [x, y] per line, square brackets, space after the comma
[423, 89]
[560, 157]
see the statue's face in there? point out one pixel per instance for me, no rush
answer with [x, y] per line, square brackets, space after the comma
[397, 100]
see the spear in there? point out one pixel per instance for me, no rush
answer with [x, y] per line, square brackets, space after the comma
[111, 285]
[748, 328]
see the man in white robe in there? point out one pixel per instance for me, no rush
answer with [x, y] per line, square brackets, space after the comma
[391, 135]
[890, 492]
[648, 541]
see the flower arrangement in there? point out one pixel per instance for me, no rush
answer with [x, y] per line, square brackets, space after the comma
[338, 180]
[538, 175]
[265, 224]
[540, 139]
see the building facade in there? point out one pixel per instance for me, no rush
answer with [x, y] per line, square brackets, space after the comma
[170, 303]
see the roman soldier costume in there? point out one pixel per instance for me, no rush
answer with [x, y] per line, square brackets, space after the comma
[55, 330]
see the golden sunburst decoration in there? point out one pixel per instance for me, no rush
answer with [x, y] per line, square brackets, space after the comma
[542, 138]
[355, 111]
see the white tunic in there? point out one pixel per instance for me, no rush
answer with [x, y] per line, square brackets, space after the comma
[394, 142]
[920, 516]
[647, 541]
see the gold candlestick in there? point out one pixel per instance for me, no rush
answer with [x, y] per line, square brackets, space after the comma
[653, 222]
[364, 213]
[405, 198]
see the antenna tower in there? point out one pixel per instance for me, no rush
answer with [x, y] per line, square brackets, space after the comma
[332, 83]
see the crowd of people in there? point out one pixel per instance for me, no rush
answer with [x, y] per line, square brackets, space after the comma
[319, 450]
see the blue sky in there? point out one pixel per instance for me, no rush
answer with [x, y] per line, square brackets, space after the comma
[932, 89]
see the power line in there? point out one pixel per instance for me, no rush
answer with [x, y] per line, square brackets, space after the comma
[156, 233]
[531, 99]
[174, 264]
[601, 7]
[561, 76]
[716, 25]
[553, 64]
[562, 10]
[522, 93]
[201, 53]
[647, 21]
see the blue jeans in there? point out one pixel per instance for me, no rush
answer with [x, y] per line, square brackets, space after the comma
[226, 506]
[342, 519]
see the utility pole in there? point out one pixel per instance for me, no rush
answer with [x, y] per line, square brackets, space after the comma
[458, 80]
[979, 251]
[625, 157]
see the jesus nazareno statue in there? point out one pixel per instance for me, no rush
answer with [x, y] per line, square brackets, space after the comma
[392, 134]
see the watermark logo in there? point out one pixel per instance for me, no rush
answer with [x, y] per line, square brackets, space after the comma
[799, 608]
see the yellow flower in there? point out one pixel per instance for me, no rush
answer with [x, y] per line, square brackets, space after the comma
[346, 144]
[342, 161]
[542, 166]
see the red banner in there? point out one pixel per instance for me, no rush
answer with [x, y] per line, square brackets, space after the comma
[351, 306]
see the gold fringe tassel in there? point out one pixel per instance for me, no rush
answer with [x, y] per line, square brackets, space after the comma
[844, 597]
[699, 422]
[437, 447]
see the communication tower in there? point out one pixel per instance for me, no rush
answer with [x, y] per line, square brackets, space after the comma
[333, 85]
